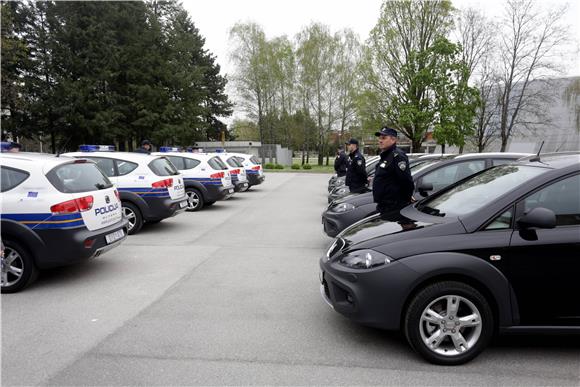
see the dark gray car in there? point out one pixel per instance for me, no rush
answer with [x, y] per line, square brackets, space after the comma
[429, 178]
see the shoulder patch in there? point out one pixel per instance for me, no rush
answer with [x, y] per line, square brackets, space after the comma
[359, 162]
[402, 165]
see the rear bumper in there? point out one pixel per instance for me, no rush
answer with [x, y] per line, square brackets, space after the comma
[215, 192]
[256, 179]
[161, 208]
[67, 246]
[240, 186]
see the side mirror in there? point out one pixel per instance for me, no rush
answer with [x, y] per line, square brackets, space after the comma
[424, 188]
[538, 217]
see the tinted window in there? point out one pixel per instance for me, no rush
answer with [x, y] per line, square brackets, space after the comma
[254, 160]
[562, 197]
[162, 167]
[502, 222]
[78, 177]
[107, 166]
[234, 162]
[450, 174]
[479, 191]
[501, 161]
[191, 163]
[11, 178]
[125, 167]
[217, 164]
[177, 161]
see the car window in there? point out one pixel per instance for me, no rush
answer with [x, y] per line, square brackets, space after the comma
[255, 160]
[190, 163]
[501, 161]
[11, 177]
[562, 197]
[162, 167]
[125, 167]
[107, 166]
[217, 164]
[233, 162]
[78, 177]
[449, 174]
[479, 191]
[178, 162]
[502, 222]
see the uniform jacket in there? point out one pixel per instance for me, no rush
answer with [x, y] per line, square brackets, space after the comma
[392, 184]
[340, 164]
[356, 172]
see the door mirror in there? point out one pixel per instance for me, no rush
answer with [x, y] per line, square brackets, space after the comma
[538, 217]
[424, 188]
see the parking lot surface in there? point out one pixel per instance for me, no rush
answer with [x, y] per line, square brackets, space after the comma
[230, 296]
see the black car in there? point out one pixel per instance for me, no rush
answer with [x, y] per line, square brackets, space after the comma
[339, 190]
[498, 252]
[430, 176]
[336, 182]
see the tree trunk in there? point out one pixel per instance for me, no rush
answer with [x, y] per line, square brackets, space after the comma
[461, 149]
[442, 149]
[53, 141]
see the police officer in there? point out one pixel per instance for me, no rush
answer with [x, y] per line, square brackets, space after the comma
[145, 147]
[356, 173]
[393, 185]
[340, 163]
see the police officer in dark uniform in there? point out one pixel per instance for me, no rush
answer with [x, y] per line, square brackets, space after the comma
[340, 163]
[392, 185]
[356, 172]
[145, 147]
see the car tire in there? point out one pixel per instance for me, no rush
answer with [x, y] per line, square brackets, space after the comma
[195, 200]
[134, 216]
[449, 323]
[18, 268]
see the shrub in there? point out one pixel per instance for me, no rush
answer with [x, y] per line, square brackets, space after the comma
[268, 166]
[278, 166]
[306, 166]
[295, 166]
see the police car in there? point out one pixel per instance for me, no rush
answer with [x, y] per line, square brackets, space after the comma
[254, 171]
[237, 171]
[55, 211]
[206, 177]
[151, 188]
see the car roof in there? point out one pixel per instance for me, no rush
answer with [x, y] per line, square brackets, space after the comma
[47, 159]
[553, 160]
[204, 156]
[505, 155]
[135, 156]
[435, 156]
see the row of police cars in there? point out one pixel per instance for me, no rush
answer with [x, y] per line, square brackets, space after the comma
[490, 245]
[61, 209]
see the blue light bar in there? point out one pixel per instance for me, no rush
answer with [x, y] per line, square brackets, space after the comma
[5, 146]
[168, 149]
[97, 148]
[220, 150]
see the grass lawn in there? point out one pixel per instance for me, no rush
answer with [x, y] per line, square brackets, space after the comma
[313, 163]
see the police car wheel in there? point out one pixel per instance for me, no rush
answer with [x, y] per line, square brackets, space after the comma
[18, 268]
[194, 200]
[449, 323]
[133, 215]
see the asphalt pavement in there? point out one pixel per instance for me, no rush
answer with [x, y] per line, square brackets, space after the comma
[230, 296]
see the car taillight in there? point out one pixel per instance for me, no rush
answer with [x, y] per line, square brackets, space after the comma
[72, 206]
[235, 171]
[163, 183]
[219, 175]
[118, 195]
[257, 168]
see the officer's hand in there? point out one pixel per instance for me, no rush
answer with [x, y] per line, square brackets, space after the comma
[413, 200]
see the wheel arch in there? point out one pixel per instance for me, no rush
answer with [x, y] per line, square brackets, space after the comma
[21, 234]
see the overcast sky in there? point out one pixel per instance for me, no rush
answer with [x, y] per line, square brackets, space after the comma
[215, 18]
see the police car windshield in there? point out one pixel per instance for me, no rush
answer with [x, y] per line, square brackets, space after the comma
[478, 191]
[78, 177]
[163, 167]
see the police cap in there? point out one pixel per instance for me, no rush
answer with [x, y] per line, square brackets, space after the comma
[352, 141]
[386, 131]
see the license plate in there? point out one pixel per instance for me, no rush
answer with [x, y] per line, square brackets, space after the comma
[115, 236]
[231, 190]
[182, 204]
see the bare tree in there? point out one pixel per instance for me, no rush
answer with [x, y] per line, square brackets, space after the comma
[526, 51]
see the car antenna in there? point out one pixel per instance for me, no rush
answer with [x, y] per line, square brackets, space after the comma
[537, 157]
[62, 147]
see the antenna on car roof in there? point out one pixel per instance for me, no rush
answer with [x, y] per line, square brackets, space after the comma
[63, 147]
[537, 157]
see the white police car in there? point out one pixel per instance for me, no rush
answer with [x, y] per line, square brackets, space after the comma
[253, 168]
[237, 171]
[151, 188]
[55, 211]
[206, 177]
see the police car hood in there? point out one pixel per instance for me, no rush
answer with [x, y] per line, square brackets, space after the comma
[356, 200]
[398, 239]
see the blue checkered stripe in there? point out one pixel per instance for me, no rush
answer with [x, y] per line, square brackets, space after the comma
[47, 221]
[145, 192]
[205, 180]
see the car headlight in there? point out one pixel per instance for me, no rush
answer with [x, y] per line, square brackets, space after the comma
[341, 191]
[364, 259]
[343, 207]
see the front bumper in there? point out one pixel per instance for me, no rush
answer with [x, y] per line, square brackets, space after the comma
[374, 297]
[67, 246]
[162, 208]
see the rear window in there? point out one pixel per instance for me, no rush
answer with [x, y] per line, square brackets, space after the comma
[107, 166]
[191, 163]
[11, 178]
[162, 167]
[78, 177]
[255, 160]
[177, 161]
[234, 162]
[125, 167]
[217, 164]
